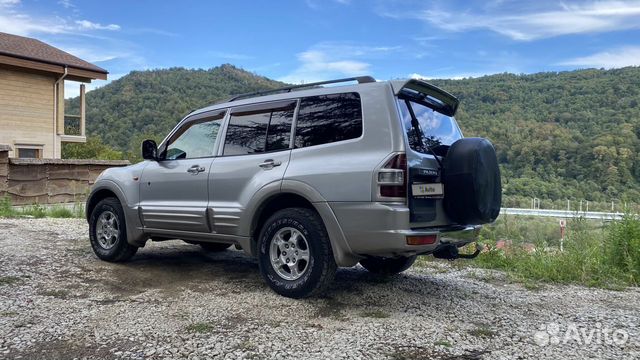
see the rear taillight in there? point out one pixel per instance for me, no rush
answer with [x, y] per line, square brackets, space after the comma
[422, 240]
[392, 178]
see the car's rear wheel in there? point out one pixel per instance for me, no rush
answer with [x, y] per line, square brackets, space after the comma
[108, 232]
[294, 253]
[387, 266]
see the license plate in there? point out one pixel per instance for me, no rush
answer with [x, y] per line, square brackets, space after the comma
[427, 190]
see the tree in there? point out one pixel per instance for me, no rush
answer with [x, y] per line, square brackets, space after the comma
[94, 148]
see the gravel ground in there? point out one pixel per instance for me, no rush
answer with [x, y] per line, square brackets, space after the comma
[58, 301]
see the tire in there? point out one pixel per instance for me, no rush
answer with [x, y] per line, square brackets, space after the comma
[109, 243]
[387, 266]
[472, 186]
[214, 247]
[301, 233]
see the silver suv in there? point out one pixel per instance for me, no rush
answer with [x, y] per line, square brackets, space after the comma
[307, 178]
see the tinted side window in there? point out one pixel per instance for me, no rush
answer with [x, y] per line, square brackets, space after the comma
[196, 138]
[328, 118]
[259, 128]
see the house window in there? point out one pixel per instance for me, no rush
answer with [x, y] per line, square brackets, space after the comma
[29, 152]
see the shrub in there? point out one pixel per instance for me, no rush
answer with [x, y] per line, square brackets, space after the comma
[5, 207]
[592, 256]
[622, 250]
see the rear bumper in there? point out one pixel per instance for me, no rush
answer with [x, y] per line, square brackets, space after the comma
[378, 229]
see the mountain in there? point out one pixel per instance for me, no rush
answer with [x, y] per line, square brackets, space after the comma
[568, 135]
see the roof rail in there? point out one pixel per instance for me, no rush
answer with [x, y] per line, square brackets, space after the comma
[359, 79]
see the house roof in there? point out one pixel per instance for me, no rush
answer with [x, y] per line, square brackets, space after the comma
[33, 50]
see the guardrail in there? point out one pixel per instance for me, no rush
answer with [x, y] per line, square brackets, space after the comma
[597, 215]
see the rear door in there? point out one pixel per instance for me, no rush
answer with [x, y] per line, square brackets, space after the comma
[174, 190]
[426, 113]
[255, 153]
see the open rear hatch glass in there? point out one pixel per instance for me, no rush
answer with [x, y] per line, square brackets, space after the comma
[426, 113]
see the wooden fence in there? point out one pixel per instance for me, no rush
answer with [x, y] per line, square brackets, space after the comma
[48, 181]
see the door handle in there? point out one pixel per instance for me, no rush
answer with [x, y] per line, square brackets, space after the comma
[269, 164]
[195, 169]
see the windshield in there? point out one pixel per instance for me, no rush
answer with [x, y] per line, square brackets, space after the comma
[435, 130]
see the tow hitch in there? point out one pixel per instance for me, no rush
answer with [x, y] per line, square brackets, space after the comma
[450, 252]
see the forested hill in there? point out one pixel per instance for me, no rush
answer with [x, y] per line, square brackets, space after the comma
[558, 135]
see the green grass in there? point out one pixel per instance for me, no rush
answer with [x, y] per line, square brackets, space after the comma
[200, 328]
[5, 207]
[444, 343]
[483, 331]
[9, 280]
[58, 293]
[39, 211]
[594, 255]
[376, 314]
[60, 212]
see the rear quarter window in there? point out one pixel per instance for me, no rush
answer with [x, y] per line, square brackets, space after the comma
[328, 118]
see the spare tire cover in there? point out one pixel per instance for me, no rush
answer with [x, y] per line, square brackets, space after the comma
[472, 186]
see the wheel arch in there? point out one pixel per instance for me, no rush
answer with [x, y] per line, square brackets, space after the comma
[97, 196]
[297, 194]
[106, 189]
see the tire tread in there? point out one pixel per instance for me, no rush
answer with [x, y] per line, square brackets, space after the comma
[328, 268]
[122, 251]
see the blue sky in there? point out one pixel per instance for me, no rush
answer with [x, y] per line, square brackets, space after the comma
[310, 40]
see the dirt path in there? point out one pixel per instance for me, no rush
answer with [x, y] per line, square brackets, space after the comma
[57, 300]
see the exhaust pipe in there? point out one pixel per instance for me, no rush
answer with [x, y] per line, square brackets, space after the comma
[450, 252]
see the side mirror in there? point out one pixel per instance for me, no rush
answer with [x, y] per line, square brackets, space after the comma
[149, 150]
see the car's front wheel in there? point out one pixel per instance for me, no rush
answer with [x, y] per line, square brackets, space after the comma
[387, 266]
[108, 232]
[294, 253]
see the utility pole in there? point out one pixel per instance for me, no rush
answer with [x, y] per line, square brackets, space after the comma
[563, 225]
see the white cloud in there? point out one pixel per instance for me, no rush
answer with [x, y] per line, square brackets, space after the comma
[88, 25]
[418, 76]
[26, 25]
[21, 24]
[9, 3]
[328, 60]
[14, 20]
[615, 58]
[533, 20]
[92, 54]
[66, 4]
